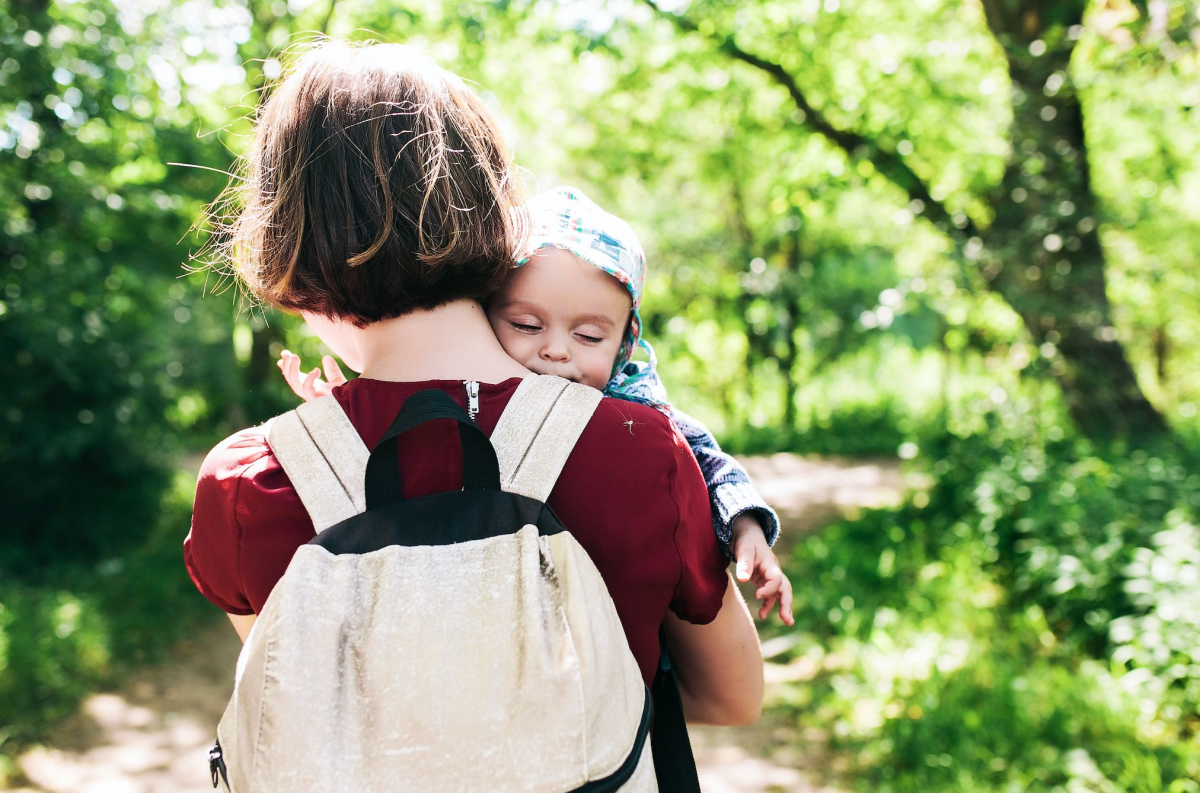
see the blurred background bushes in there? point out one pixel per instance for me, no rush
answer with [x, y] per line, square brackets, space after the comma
[963, 234]
[1028, 621]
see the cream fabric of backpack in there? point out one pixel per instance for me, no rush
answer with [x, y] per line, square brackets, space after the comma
[458, 642]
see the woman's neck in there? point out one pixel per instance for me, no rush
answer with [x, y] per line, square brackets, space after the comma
[451, 342]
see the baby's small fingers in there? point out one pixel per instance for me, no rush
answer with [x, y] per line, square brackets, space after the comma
[291, 374]
[767, 573]
[767, 605]
[745, 564]
[769, 589]
[785, 605]
[333, 372]
[308, 387]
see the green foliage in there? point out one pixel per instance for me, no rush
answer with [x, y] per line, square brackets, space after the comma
[854, 430]
[1028, 622]
[55, 650]
[1002, 723]
[1061, 521]
[1162, 635]
[84, 626]
[98, 332]
[1034, 608]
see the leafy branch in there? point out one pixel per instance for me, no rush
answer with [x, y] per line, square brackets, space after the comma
[889, 163]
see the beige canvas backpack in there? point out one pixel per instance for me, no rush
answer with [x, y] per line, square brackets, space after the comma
[462, 641]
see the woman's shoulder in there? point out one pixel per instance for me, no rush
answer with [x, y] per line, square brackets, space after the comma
[631, 489]
[247, 520]
[236, 456]
[631, 446]
[635, 427]
[243, 472]
[212, 549]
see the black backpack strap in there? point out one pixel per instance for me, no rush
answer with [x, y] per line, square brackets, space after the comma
[674, 764]
[480, 469]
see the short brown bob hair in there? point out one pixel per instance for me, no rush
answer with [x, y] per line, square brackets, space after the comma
[376, 184]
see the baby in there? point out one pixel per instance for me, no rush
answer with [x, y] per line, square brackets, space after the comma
[570, 308]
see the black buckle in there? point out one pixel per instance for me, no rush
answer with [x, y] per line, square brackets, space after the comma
[216, 765]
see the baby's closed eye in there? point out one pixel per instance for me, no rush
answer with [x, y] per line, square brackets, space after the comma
[525, 327]
[591, 332]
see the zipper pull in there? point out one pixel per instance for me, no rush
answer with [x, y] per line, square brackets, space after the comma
[472, 398]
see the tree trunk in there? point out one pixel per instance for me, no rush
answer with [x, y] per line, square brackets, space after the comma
[1042, 253]
[755, 353]
[790, 295]
[1161, 350]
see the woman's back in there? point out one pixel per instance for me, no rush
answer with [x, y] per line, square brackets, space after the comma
[379, 202]
[631, 493]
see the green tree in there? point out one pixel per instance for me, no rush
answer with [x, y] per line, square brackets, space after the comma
[113, 357]
[1034, 233]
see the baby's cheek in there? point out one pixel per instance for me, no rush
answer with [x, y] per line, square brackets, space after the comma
[523, 351]
[596, 373]
[513, 344]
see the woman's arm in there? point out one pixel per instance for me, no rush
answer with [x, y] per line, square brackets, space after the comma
[242, 623]
[719, 665]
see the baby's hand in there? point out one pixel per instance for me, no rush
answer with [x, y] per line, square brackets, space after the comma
[756, 560]
[310, 386]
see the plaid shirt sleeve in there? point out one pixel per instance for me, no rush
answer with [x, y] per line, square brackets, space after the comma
[729, 487]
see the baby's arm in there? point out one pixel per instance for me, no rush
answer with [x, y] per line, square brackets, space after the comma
[735, 502]
[734, 497]
[745, 525]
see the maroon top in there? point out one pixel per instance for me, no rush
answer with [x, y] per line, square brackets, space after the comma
[630, 493]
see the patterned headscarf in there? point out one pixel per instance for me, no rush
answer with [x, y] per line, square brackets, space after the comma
[566, 218]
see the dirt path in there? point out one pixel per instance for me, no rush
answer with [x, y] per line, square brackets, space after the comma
[808, 492]
[152, 735]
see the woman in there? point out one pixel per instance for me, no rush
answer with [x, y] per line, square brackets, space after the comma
[381, 205]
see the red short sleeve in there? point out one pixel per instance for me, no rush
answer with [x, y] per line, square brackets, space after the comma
[211, 548]
[247, 522]
[632, 494]
[702, 579]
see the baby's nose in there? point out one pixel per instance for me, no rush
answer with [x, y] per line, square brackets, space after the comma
[555, 350]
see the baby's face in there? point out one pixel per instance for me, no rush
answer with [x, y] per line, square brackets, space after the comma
[559, 315]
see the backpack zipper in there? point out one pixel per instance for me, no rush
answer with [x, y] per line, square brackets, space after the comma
[472, 398]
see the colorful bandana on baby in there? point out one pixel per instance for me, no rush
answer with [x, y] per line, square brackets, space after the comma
[566, 218]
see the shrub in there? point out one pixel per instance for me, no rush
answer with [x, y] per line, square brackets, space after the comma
[1030, 622]
[64, 634]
